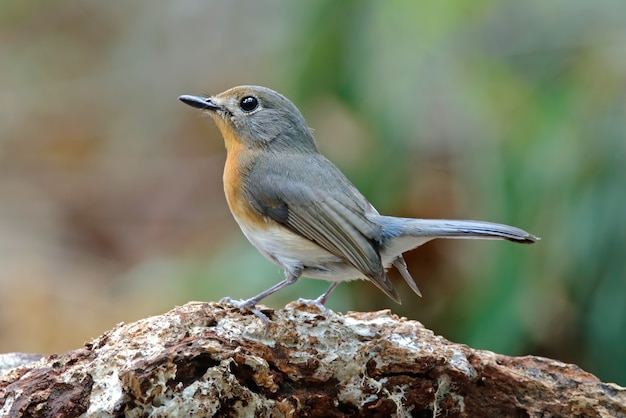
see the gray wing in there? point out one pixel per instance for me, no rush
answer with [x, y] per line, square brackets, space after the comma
[332, 217]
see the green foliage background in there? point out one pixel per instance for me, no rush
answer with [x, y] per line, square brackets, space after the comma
[110, 190]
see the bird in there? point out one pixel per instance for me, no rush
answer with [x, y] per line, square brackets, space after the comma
[302, 213]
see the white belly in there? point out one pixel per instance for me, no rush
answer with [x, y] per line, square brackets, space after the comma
[293, 252]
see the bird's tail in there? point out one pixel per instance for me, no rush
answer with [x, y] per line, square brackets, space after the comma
[445, 228]
[404, 234]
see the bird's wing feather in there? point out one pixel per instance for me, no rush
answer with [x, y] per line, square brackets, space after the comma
[336, 223]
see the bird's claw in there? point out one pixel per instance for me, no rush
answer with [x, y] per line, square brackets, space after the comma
[318, 303]
[249, 305]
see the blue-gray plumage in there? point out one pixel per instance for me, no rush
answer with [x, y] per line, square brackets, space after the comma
[301, 212]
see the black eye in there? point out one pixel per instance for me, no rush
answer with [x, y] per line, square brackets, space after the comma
[248, 104]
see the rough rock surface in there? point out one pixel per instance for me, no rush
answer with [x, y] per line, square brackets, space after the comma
[208, 359]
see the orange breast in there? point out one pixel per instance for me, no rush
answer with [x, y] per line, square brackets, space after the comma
[237, 159]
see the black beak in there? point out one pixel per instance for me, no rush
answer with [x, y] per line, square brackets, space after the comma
[199, 102]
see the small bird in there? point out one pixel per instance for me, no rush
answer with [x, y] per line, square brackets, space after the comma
[301, 212]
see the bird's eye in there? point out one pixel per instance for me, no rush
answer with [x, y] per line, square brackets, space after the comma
[248, 104]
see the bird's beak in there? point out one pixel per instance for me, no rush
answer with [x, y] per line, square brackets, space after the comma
[199, 102]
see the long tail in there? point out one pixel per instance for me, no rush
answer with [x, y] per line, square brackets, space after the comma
[450, 228]
[404, 234]
[447, 228]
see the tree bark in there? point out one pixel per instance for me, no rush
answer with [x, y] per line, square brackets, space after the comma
[209, 359]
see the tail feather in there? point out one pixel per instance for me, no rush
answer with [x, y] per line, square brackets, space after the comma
[404, 234]
[444, 228]
[449, 228]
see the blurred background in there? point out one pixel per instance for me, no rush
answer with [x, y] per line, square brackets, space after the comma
[111, 201]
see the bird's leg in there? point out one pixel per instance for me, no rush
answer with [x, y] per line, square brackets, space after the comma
[324, 296]
[250, 304]
[321, 300]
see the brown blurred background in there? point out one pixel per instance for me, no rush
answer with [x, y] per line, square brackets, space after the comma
[111, 202]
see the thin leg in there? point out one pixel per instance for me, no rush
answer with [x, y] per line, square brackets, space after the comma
[321, 300]
[324, 296]
[250, 304]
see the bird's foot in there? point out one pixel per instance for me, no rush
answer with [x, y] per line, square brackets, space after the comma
[317, 303]
[321, 300]
[248, 305]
